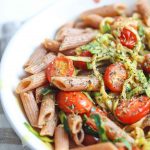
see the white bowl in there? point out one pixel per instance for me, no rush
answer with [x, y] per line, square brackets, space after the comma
[20, 48]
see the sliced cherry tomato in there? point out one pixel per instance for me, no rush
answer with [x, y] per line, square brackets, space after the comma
[146, 63]
[114, 77]
[81, 64]
[61, 66]
[73, 102]
[130, 111]
[128, 38]
[89, 140]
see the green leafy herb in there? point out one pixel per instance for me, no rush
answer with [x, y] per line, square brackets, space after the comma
[126, 143]
[64, 121]
[141, 30]
[88, 96]
[43, 138]
[48, 90]
[100, 127]
[106, 28]
[84, 118]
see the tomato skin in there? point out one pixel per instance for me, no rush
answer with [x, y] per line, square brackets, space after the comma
[146, 63]
[114, 77]
[73, 102]
[128, 38]
[81, 64]
[89, 140]
[131, 111]
[61, 66]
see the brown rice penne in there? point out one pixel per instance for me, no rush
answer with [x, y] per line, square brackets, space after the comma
[80, 83]
[30, 107]
[31, 82]
[143, 7]
[51, 45]
[61, 137]
[41, 65]
[75, 123]
[47, 110]
[92, 20]
[106, 11]
[70, 42]
[37, 55]
[100, 146]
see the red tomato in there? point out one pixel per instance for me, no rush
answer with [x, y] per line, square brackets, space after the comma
[61, 66]
[114, 77]
[146, 63]
[81, 64]
[128, 38]
[130, 111]
[89, 140]
[73, 102]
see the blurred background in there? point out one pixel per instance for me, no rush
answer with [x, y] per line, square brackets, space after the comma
[13, 14]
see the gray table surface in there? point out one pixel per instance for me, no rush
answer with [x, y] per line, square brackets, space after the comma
[8, 138]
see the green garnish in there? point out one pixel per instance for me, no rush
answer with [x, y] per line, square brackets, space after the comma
[125, 142]
[141, 30]
[100, 127]
[88, 96]
[37, 134]
[48, 90]
[106, 28]
[64, 121]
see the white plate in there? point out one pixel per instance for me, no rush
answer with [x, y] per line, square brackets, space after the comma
[20, 48]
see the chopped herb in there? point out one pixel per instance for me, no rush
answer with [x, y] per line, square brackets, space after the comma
[43, 138]
[84, 118]
[141, 30]
[48, 90]
[88, 96]
[126, 143]
[64, 121]
[106, 28]
[99, 125]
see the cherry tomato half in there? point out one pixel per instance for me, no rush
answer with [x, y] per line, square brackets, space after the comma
[128, 38]
[61, 66]
[130, 111]
[146, 63]
[81, 64]
[114, 77]
[73, 102]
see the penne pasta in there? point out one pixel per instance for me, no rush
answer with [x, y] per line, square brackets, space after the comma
[30, 107]
[61, 138]
[70, 42]
[31, 82]
[106, 11]
[38, 95]
[92, 20]
[143, 7]
[51, 45]
[70, 52]
[80, 83]
[49, 127]
[41, 65]
[100, 146]
[80, 25]
[37, 55]
[75, 123]
[78, 137]
[47, 110]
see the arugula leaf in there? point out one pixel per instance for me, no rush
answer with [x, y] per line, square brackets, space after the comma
[48, 90]
[125, 142]
[64, 121]
[84, 118]
[100, 127]
[37, 134]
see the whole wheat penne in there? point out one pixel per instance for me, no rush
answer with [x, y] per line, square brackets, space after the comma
[78, 137]
[70, 52]
[70, 42]
[49, 127]
[31, 82]
[51, 45]
[61, 138]
[41, 65]
[47, 110]
[143, 7]
[58, 35]
[38, 95]
[79, 83]
[80, 25]
[75, 123]
[100, 146]
[106, 11]
[93, 20]
[37, 55]
[30, 107]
